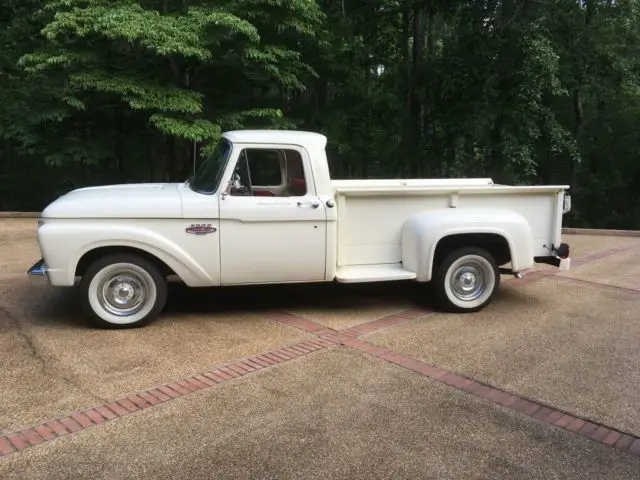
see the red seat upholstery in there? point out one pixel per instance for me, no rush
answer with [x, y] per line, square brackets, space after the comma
[263, 193]
[298, 186]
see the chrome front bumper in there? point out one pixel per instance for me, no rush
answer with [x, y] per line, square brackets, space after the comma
[39, 269]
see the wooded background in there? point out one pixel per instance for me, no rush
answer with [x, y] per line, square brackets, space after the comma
[524, 91]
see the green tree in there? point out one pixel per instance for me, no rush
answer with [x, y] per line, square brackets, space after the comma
[524, 91]
[134, 84]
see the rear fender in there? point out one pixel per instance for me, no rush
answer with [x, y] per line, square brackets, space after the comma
[422, 232]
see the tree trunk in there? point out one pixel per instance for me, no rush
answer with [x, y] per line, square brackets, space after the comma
[406, 85]
[416, 106]
[119, 145]
[578, 106]
[578, 110]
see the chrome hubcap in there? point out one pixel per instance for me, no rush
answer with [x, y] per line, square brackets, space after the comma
[123, 293]
[468, 281]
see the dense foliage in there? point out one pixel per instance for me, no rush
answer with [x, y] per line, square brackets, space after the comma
[524, 91]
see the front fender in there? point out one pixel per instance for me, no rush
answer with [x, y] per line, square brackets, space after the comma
[64, 244]
[422, 232]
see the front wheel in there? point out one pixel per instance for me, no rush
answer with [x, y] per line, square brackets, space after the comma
[123, 291]
[466, 280]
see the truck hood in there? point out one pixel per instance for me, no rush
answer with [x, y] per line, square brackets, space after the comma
[142, 200]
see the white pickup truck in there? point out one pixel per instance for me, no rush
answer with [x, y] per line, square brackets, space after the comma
[263, 209]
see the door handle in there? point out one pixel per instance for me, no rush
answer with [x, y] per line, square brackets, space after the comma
[312, 204]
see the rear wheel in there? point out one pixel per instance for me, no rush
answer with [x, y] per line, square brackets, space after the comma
[466, 280]
[123, 291]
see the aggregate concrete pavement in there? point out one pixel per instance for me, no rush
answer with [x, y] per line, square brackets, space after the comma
[18, 246]
[343, 313]
[569, 344]
[321, 415]
[53, 363]
[333, 414]
[584, 245]
[621, 270]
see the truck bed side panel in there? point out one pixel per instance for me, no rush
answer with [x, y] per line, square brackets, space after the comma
[370, 226]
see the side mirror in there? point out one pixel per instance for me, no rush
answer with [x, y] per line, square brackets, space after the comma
[227, 190]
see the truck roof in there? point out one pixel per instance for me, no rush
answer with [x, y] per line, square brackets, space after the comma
[294, 137]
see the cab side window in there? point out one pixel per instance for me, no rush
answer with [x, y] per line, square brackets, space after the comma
[269, 173]
[264, 166]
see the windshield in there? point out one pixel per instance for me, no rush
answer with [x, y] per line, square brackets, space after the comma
[207, 178]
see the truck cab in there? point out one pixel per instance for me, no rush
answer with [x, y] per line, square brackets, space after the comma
[271, 195]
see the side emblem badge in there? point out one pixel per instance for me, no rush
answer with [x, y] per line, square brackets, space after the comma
[200, 229]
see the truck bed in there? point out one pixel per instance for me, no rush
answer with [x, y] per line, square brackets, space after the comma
[371, 214]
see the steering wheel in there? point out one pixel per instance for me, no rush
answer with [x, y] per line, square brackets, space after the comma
[236, 186]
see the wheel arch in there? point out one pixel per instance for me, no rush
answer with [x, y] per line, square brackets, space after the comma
[427, 237]
[498, 245]
[91, 255]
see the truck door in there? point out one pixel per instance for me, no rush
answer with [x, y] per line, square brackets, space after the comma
[272, 223]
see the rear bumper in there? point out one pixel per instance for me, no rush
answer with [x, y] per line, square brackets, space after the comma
[561, 259]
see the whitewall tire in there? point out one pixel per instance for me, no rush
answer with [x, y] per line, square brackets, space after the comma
[123, 291]
[466, 280]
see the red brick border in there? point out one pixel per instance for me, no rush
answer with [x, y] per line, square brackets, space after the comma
[598, 432]
[602, 254]
[606, 286]
[389, 321]
[295, 321]
[77, 421]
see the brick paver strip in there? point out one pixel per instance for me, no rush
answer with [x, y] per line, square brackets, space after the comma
[197, 383]
[169, 391]
[95, 416]
[394, 320]
[77, 421]
[128, 404]
[71, 424]
[157, 393]
[545, 413]
[624, 442]
[606, 286]
[45, 432]
[139, 401]
[32, 437]
[18, 441]
[82, 419]
[107, 413]
[602, 254]
[5, 446]
[178, 388]
[206, 380]
[215, 377]
[294, 321]
[611, 438]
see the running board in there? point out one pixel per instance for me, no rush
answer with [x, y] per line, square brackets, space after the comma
[373, 273]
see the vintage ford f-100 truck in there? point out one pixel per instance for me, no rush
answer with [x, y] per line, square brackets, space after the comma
[263, 209]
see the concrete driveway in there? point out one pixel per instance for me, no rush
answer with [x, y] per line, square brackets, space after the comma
[327, 382]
